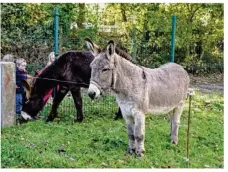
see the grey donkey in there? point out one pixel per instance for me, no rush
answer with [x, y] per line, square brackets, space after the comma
[139, 91]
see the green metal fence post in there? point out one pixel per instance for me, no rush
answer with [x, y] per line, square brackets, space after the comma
[134, 43]
[173, 38]
[56, 36]
[56, 31]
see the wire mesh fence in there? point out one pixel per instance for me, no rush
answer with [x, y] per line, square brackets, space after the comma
[67, 111]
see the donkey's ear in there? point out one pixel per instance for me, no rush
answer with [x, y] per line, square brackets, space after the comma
[93, 47]
[110, 48]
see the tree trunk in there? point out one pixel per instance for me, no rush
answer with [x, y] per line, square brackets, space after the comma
[81, 17]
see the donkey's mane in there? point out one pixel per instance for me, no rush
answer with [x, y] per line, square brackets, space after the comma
[121, 53]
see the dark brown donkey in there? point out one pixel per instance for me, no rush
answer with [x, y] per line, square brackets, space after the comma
[72, 68]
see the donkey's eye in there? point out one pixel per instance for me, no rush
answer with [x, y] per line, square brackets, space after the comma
[105, 69]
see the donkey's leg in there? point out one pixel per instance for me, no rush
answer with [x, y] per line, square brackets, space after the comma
[175, 122]
[170, 114]
[76, 93]
[139, 133]
[118, 115]
[130, 129]
[60, 94]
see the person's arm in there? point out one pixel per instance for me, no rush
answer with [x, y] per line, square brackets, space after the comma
[29, 76]
[25, 76]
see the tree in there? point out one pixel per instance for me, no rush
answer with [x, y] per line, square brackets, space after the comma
[199, 33]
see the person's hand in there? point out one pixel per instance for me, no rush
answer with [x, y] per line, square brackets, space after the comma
[29, 76]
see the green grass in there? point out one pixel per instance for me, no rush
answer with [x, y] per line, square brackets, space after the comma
[100, 142]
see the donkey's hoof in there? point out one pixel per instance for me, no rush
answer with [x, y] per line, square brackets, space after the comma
[49, 120]
[174, 142]
[130, 151]
[117, 117]
[78, 120]
[140, 153]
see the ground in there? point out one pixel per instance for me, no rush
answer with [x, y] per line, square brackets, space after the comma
[208, 83]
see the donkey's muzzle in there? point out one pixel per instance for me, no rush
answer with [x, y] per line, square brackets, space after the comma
[92, 95]
[93, 91]
[26, 116]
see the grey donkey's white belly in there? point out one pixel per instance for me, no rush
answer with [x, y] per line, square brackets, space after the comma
[130, 108]
[162, 109]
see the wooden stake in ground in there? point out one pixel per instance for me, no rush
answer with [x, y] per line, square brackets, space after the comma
[191, 93]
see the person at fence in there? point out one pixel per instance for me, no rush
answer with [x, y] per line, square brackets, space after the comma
[51, 58]
[21, 74]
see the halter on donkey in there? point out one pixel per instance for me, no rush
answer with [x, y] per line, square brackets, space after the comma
[139, 91]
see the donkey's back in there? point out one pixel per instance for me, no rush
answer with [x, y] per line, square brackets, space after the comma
[167, 87]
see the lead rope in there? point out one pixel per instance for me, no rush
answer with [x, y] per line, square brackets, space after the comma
[61, 81]
[190, 94]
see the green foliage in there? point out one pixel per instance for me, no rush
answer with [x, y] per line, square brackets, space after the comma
[100, 142]
[31, 69]
[143, 29]
[199, 32]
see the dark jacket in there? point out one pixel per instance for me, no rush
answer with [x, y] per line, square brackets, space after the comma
[20, 75]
